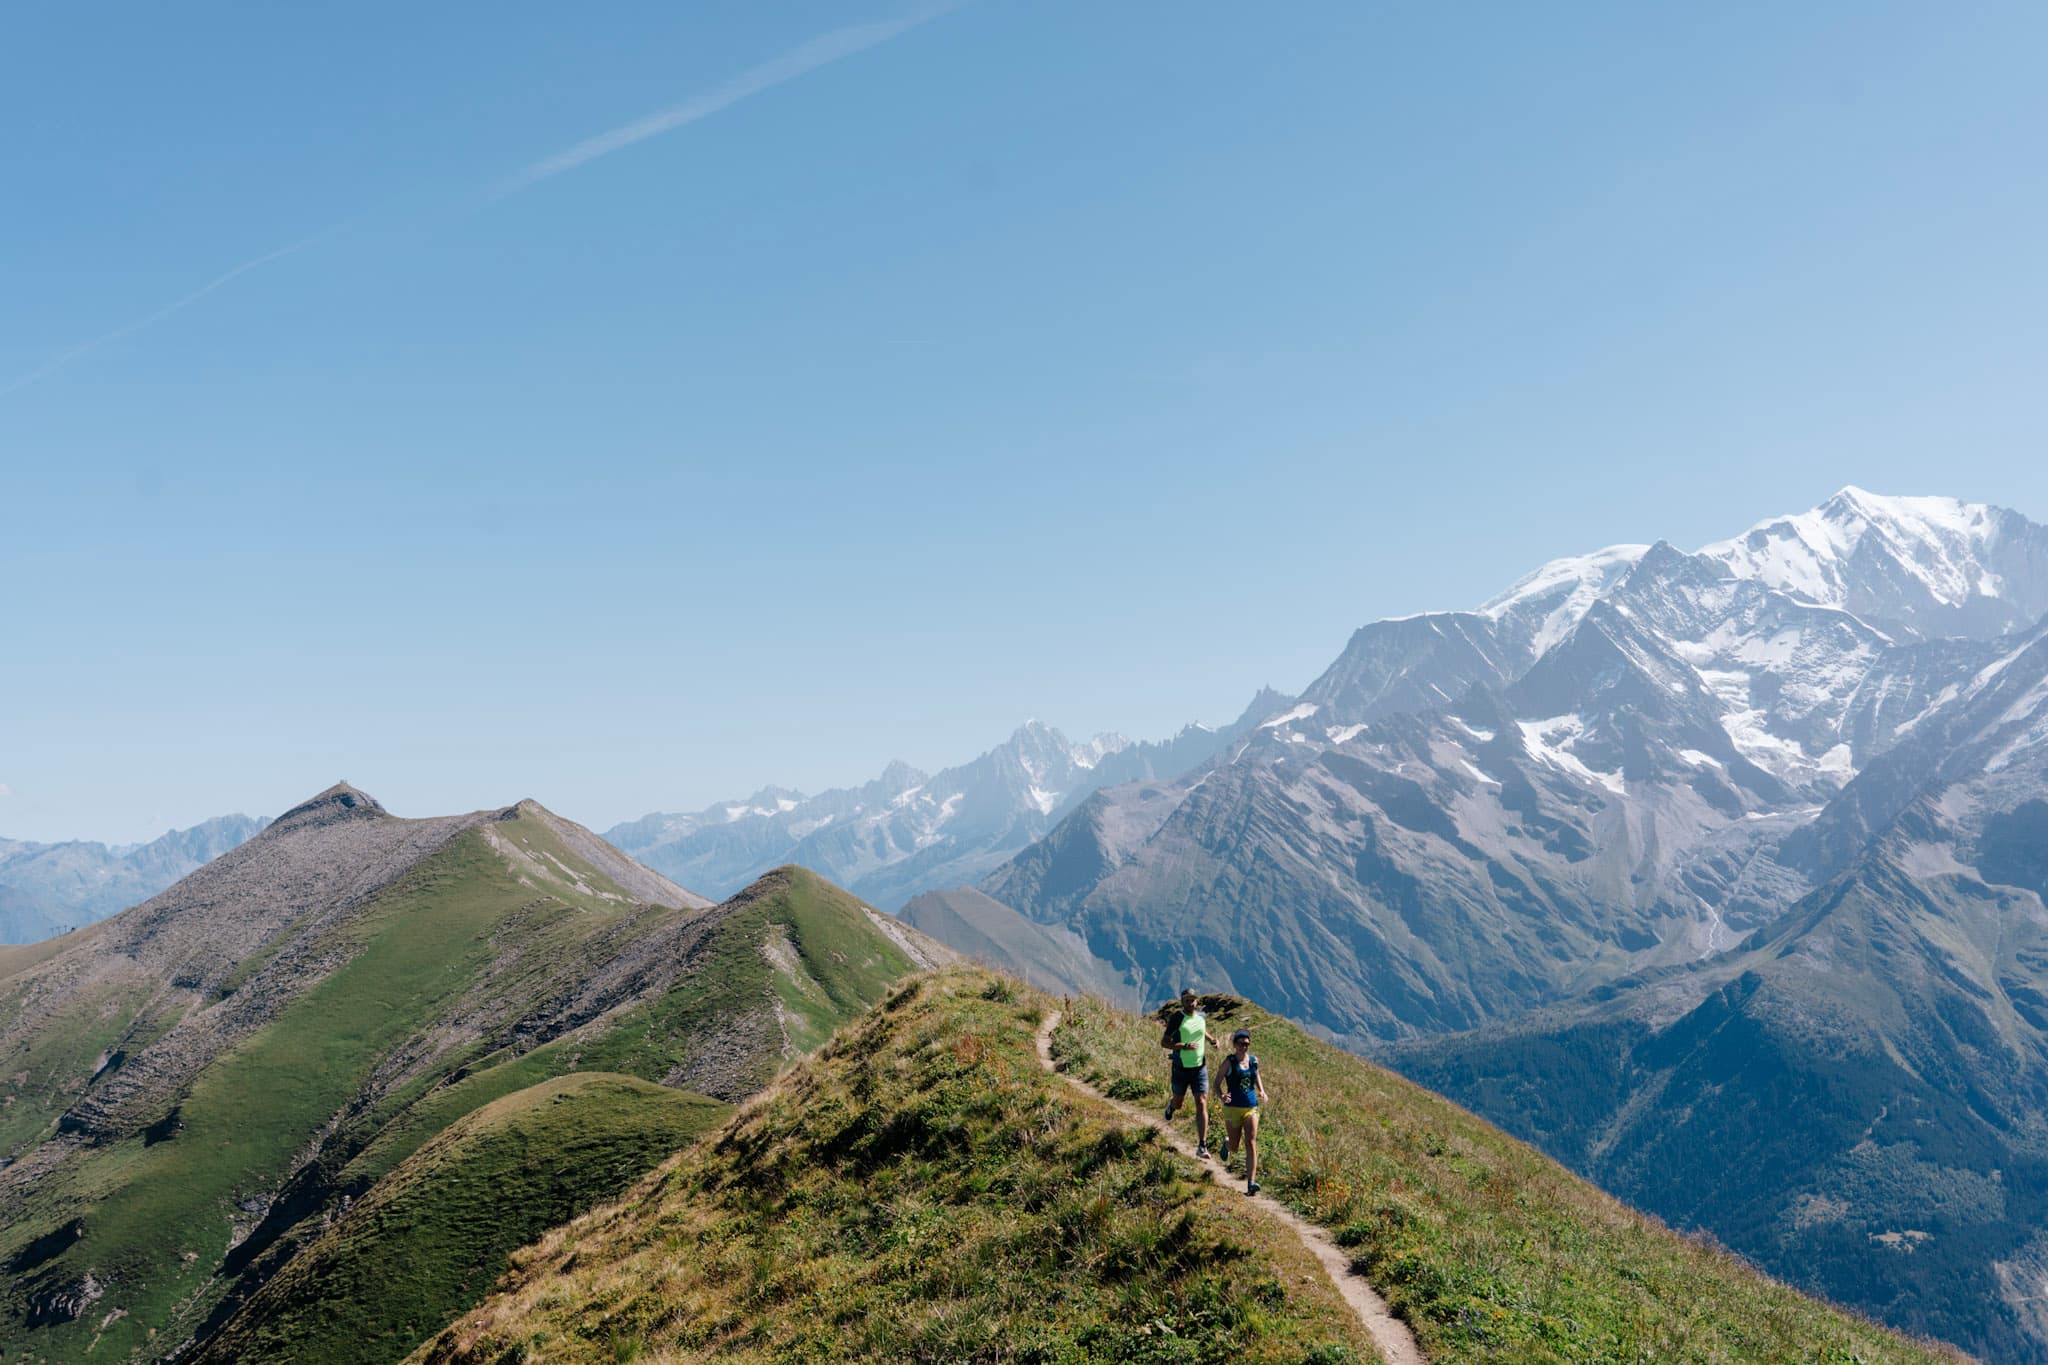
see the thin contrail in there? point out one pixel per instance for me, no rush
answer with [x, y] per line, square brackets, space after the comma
[178, 305]
[820, 51]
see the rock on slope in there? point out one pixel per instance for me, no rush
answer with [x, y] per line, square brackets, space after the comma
[199, 1082]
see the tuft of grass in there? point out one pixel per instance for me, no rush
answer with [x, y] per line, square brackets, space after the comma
[1487, 1248]
[430, 1239]
[919, 1190]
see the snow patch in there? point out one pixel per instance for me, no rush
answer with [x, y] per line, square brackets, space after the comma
[1574, 583]
[1301, 712]
[1547, 740]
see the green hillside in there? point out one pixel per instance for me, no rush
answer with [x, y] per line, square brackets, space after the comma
[186, 1119]
[1490, 1250]
[431, 1238]
[920, 1190]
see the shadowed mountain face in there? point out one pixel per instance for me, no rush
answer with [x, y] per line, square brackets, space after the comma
[200, 1083]
[46, 889]
[1857, 1095]
[1638, 764]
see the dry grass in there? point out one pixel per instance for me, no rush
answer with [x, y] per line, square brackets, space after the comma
[919, 1191]
[1491, 1251]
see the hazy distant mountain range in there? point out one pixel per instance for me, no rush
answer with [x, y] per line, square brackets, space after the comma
[48, 888]
[907, 831]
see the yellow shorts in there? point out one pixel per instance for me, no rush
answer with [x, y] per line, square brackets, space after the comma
[1234, 1115]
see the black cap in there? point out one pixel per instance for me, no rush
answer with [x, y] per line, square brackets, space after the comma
[1243, 1033]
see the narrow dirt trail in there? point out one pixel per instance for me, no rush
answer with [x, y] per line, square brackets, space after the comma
[1389, 1333]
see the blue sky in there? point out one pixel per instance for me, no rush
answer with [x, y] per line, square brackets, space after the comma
[1093, 363]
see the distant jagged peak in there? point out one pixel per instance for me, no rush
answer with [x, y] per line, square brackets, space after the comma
[1269, 701]
[1035, 734]
[897, 776]
[338, 803]
[1664, 558]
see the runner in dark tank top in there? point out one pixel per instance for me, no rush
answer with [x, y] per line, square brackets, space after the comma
[1243, 1091]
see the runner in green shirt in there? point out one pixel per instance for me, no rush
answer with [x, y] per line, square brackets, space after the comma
[1187, 1038]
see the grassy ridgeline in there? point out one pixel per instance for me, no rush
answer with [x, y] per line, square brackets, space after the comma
[430, 1239]
[919, 1190]
[1490, 1250]
[409, 1020]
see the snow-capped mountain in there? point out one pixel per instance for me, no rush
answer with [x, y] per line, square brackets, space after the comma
[1917, 568]
[1590, 774]
[907, 831]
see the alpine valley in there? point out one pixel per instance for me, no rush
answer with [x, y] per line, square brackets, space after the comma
[1717, 874]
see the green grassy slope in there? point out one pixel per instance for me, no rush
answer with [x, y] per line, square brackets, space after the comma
[45, 1073]
[920, 1190]
[430, 1238]
[159, 1215]
[123, 1249]
[1491, 1251]
[722, 1032]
